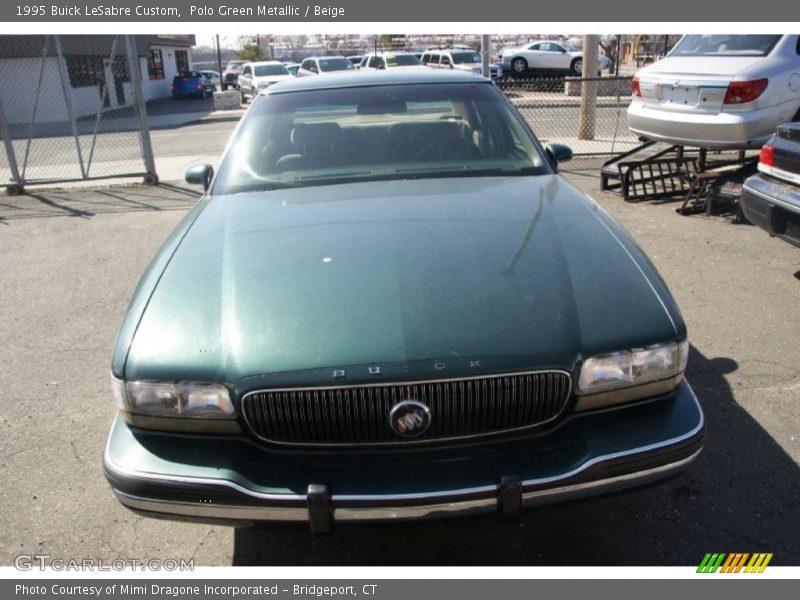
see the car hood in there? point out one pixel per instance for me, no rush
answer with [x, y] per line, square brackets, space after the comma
[709, 68]
[270, 79]
[517, 272]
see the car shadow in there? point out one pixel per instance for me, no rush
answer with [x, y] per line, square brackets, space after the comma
[741, 495]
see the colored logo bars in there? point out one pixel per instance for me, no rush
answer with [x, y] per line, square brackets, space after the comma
[734, 563]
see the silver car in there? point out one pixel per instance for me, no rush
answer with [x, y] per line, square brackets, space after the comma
[719, 91]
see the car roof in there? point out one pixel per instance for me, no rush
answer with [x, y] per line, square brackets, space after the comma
[371, 78]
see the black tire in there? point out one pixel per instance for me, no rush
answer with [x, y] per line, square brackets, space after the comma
[241, 97]
[576, 66]
[519, 65]
[224, 87]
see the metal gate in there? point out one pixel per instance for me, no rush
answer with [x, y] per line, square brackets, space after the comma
[552, 107]
[72, 109]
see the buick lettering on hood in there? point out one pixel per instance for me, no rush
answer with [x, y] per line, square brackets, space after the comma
[388, 304]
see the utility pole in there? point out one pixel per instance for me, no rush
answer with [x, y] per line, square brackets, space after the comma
[485, 51]
[588, 88]
[219, 58]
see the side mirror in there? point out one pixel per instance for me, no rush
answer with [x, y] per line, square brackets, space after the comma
[558, 153]
[200, 175]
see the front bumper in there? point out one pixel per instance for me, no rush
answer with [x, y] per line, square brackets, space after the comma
[238, 481]
[774, 206]
[725, 129]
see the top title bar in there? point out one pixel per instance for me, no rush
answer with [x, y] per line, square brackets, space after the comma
[365, 11]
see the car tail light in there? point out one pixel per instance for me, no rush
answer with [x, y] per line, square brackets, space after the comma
[767, 156]
[199, 86]
[740, 92]
[635, 89]
[184, 79]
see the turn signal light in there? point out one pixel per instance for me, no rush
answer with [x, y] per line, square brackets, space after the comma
[635, 89]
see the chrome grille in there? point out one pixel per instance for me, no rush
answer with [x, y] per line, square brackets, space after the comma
[359, 414]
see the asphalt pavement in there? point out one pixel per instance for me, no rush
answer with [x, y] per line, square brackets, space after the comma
[71, 260]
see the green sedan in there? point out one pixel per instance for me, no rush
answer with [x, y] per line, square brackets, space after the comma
[389, 305]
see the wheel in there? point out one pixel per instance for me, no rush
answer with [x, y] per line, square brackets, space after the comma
[519, 65]
[224, 87]
[241, 97]
[577, 66]
[205, 94]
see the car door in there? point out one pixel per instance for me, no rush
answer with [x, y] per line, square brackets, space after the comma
[533, 55]
[246, 80]
[307, 68]
[548, 56]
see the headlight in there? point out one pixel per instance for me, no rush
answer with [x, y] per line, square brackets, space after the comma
[631, 374]
[185, 406]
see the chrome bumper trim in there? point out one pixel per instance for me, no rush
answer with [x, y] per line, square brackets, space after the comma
[436, 509]
[116, 468]
[767, 197]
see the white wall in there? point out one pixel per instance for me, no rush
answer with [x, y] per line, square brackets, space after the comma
[20, 78]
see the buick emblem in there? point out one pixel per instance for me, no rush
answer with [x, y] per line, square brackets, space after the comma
[409, 418]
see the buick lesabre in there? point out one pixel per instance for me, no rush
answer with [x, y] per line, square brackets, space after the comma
[388, 304]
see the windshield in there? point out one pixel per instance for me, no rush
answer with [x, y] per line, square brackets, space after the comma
[402, 60]
[412, 131]
[466, 57]
[335, 64]
[725, 45]
[265, 70]
[235, 64]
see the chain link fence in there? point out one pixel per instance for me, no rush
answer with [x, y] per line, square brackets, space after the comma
[71, 109]
[561, 110]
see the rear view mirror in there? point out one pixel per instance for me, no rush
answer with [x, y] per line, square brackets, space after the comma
[388, 106]
[200, 175]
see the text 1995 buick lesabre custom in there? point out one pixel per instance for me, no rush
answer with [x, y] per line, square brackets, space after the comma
[389, 305]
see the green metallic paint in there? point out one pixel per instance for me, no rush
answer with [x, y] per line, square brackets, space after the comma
[527, 272]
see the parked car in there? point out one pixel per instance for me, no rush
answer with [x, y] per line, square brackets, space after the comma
[355, 59]
[547, 56]
[214, 78]
[458, 59]
[324, 65]
[191, 84]
[388, 304]
[256, 76]
[771, 199]
[719, 91]
[230, 76]
[292, 68]
[380, 61]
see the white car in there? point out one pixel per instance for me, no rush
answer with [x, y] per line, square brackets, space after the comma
[718, 91]
[213, 77]
[460, 60]
[324, 65]
[389, 60]
[547, 56]
[257, 76]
